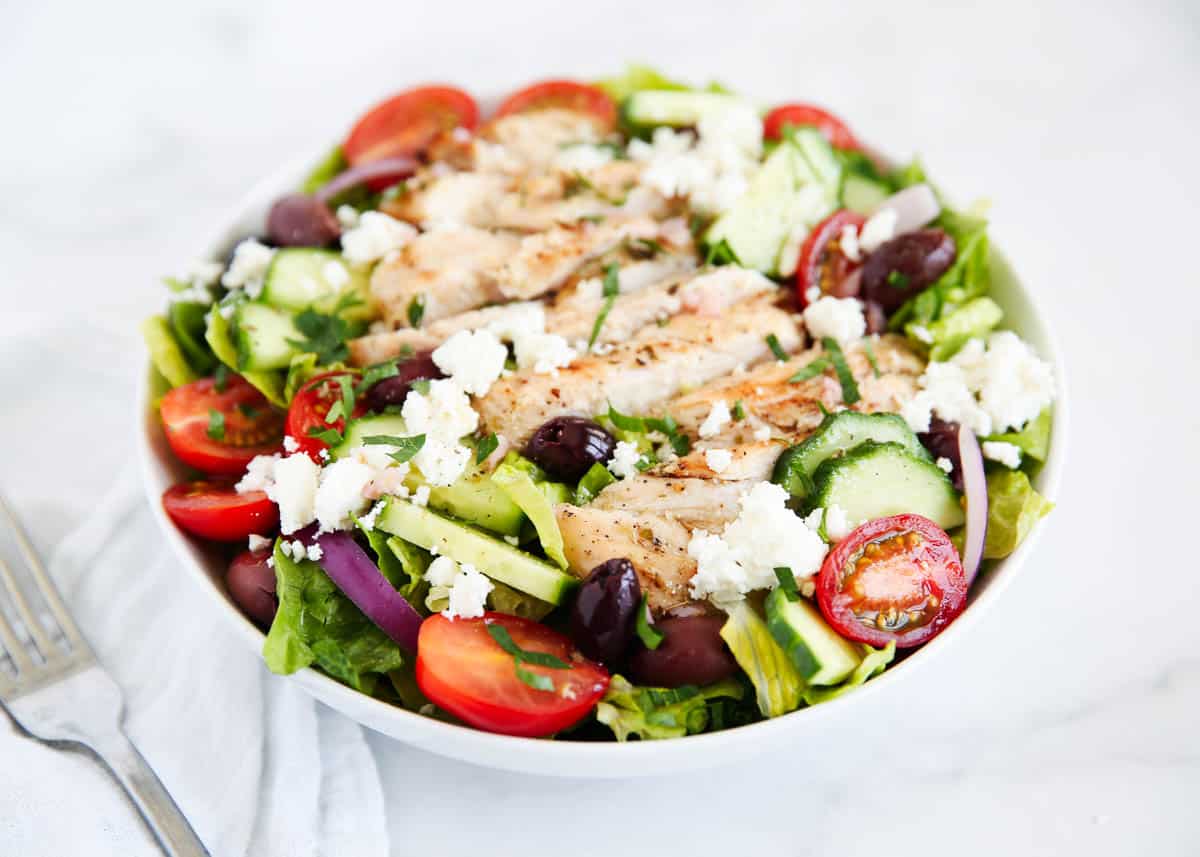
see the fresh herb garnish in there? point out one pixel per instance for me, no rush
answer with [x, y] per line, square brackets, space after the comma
[646, 247]
[897, 280]
[248, 411]
[486, 447]
[521, 656]
[650, 636]
[842, 368]
[812, 370]
[216, 424]
[372, 375]
[739, 412]
[612, 288]
[324, 335]
[824, 410]
[869, 350]
[787, 582]
[721, 254]
[416, 311]
[344, 406]
[776, 347]
[406, 447]
[643, 425]
[327, 436]
[421, 385]
[221, 378]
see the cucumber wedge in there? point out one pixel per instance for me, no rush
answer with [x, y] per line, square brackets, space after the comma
[220, 339]
[837, 434]
[862, 194]
[463, 543]
[875, 480]
[302, 277]
[820, 654]
[264, 336]
[357, 431]
[653, 107]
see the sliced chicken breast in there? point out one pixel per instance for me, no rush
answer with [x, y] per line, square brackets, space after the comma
[705, 503]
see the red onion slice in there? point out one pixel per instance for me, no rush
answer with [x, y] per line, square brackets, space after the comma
[914, 206]
[379, 173]
[975, 488]
[360, 580]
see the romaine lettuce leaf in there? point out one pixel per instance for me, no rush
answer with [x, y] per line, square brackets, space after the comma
[951, 332]
[526, 485]
[592, 483]
[317, 624]
[270, 384]
[874, 662]
[325, 170]
[652, 712]
[1013, 508]
[165, 353]
[188, 325]
[777, 684]
[408, 563]
[1034, 439]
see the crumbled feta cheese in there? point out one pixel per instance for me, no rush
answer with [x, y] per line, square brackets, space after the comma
[444, 415]
[840, 318]
[473, 358]
[441, 571]
[542, 352]
[718, 460]
[625, 458]
[879, 229]
[513, 320]
[812, 294]
[718, 417]
[248, 267]
[314, 552]
[259, 476]
[421, 496]
[762, 433]
[294, 489]
[833, 523]
[375, 236]
[259, 543]
[372, 517]
[347, 216]
[512, 540]
[764, 536]
[335, 274]
[789, 256]
[945, 464]
[848, 242]
[293, 549]
[468, 593]
[203, 273]
[921, 333]
[582, 157]
[290, 444]
[340, 495]
[1008, 454]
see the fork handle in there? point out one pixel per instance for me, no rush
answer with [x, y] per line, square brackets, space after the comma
[164, 818]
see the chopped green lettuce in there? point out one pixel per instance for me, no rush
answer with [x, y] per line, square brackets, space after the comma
[1033, 439]
[777, 684]
[653, 712]
[1013, 508]
[592, 483]
[188, 325]
[951, 332]
[637, 78]
[874, 662]
[165, 353]
[526, 485]
[270, 384]
[325, 171]
[505, 599]
[317, 624]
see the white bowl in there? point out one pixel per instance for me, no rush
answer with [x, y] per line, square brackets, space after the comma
[566, 758]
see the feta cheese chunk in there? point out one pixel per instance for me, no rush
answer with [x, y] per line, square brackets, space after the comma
[625, 458]
[766, 535]
[848, 242]
[582, 157]
[946, 465]
[248, 267]
[718, 460]
[473, 358]
[444, 415]
[840, 318]
[341, 493]
[1008, 454]
[832, 522]
[374, 236]
[294, 489]
[259, 543]
[718, 417]
[467, 589]
[518, 318]
[543, 352]
[879, 229]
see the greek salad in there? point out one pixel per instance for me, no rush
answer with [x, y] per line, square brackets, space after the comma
[629, 410]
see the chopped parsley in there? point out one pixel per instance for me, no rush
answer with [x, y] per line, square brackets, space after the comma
[416, 311]
[327, 436]
[812, 370]
[646, 248]
[324, 335]
[842, 368]
[721, 254]
[644, 425]
[486, 447]
[869, 350]
[776, 348]
[248, 411]
[344, 406]
[739, 412]
[216, 424]
[787, 582]
[406, 447]
[421, 385]
[612, 288]
[221, 378]
[897, 280]
[522, 656]
[372, 375]
[650, 636]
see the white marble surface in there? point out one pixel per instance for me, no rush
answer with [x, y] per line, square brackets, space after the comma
[1066, 723]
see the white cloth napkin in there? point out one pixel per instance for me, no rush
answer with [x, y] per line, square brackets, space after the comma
[258, 766]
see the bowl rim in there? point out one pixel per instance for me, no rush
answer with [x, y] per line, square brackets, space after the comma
[583, 758]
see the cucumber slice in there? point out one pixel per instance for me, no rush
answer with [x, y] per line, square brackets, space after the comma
[679, 109]
[821, 655]
[875, 480]
[298, 278]
[837, 434]
[861, 194]
[220, 340]
[263, 336]
[823, 165]
[463, 543]
[363, 427]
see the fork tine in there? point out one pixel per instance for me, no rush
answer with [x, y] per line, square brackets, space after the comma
[45, 584]
[33, 626]
[12, 645]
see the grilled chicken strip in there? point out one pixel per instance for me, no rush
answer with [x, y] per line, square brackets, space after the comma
[704, 503]
[451, 270]
[377, 347]
[641, 373]
[655, 545]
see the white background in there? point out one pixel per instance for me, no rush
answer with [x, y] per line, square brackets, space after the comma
[1066, 722]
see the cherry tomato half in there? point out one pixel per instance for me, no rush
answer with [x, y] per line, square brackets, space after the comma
[407, 123]
[214, 510]
[834, 129]
[462, 669]
[219, 431]
[896, 578]
[565, 94]
[311, 405]
[822, 262]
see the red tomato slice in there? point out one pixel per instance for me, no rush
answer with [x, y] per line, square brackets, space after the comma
[247, 426]
[822, 262]
[896, 578]
[463, 670]
[565, 94]
[834, 129]
[214, 510]
[407, 123]
[309, 408]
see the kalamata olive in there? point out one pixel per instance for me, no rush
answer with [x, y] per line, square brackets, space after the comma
[605, 610]
[692, 652]
[393, 390]
[566, 447]
[900, 268]
[299, 220]
[876, 317]
[942, 442]
[251, 583]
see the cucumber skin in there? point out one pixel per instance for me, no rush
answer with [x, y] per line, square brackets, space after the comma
[261, 338]
[800, 649]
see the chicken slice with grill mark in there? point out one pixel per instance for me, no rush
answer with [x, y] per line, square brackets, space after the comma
[637, 375]
[694, 502]
[377, 347]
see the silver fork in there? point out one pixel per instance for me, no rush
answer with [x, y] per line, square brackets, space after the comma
[56, 691]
